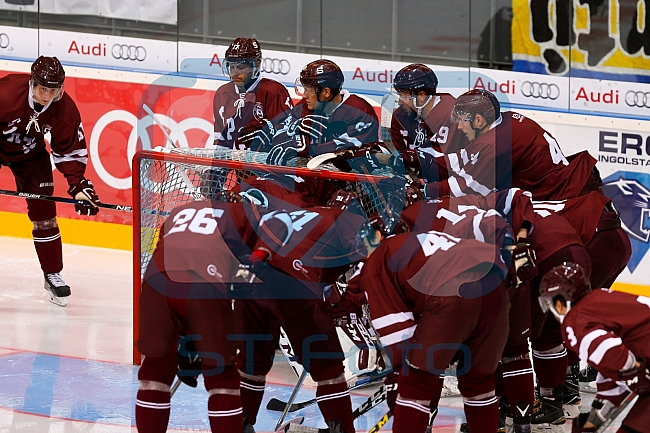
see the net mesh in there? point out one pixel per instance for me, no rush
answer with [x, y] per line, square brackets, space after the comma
[167, 183]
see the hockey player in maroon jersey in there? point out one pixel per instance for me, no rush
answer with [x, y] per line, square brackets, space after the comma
[187, 289]
[32, 107]
[506, 150]
[416, 284]
[609, 330]
[327, 119]
[249, 109]
[324, 243]
[422, 120]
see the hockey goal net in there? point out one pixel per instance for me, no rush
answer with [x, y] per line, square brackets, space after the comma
[164, 180]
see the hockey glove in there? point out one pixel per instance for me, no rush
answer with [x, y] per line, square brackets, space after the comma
[251, 265]
[189, 363]
[348, 303]
[84, 191]
[313, 125]
[524, 259]
[257, 134]
[281, 154]
[637, 378]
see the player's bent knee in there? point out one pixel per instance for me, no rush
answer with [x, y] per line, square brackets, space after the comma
[323, 370]
[417, 384]
[160, 370]
[227, 382]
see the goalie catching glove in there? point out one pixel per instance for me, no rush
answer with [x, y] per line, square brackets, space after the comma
[85, 192]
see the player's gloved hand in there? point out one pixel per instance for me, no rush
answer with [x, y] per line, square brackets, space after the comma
[362, 160]
[281, 154]
[85, 191]
[525, 261]
[250, 265]
[189, 363]
[637, 378]
[257, 134]
[348, 303]
[391, 389]
[313, 125]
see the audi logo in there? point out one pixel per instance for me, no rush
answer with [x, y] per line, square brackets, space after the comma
[533, 89]
[637, 99]
[276, 66]
[4, 40]
[129, 52]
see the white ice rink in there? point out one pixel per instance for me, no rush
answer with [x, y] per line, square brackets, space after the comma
[65, 370]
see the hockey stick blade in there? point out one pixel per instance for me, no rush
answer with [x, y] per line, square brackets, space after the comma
[284, 425]
[382, 422]
[319, 159]
[63, 199]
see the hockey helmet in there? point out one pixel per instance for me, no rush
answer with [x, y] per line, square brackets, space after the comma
[246, 51]
[414, 78]
[566, 282]
[476, 101]
[48, 72]
[320, 74]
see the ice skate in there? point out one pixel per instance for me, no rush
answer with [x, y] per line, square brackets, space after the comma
[57, 289]
[571, 401]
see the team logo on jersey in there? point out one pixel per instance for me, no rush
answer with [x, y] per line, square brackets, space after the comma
[258, 111]
[630, 193]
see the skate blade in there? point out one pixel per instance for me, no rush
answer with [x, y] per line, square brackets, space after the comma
[61, 302]
[547, 428]
[589, 387]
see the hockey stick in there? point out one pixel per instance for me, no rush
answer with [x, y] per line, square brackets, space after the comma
[278, 405]
[319, 159]
[301, 379]
[382, 422]
[616, 412]
[182, 174]
[62, 199]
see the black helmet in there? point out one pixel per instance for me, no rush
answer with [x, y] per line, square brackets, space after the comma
[320, 74]
[415, 78]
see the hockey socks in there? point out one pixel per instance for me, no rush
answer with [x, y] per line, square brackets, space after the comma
[252, 392]
[416, 389]
[519, 387]
[224, 404]
[335, 404]
[550, 368]
[49, 249]
[152, 411]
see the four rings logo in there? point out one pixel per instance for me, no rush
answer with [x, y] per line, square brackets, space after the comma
[637, 99]
[129, 52]
[533, 89]
[276, 66]
[4, 40]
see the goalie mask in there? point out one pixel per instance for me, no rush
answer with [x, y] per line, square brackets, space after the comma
[47, 72]
[244, 55]
[566, 283]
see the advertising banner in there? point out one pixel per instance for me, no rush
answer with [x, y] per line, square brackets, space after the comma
[18, 42]
[108, 51]
[592, 39]
[372, 77]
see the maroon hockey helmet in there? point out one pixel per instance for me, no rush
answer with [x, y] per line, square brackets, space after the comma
[566, 282]
[48, 72]
[413, 195]
[414, 78]
[476, 101]
[320, 74]
[243, 50]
